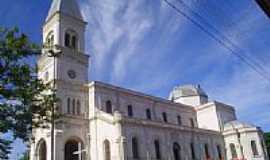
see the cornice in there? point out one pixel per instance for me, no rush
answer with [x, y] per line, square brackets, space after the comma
[111, 119]
[140, 95]
[240, 130]
[82, 58]
[162, 125]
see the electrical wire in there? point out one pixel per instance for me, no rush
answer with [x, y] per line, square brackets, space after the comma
[253, 65]
[221, 35]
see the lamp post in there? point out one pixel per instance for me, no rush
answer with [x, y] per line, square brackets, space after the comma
[54, 52]
[80, 151]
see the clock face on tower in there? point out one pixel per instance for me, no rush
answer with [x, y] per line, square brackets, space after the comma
[71, 74]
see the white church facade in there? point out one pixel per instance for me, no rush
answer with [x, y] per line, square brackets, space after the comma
[105, 122]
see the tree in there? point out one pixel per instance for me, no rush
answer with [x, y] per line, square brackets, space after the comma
[24, 100]
[267, 141]
[25, 156]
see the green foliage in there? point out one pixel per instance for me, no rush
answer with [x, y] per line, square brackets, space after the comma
[267, 139]
[24, 104]
[25, 156]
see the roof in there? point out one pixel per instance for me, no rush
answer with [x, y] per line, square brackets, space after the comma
[140, 94]
[67, 7]
[233, 125]
[187, 91]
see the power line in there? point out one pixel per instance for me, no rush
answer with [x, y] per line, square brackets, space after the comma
[221, 35]
[251, 64]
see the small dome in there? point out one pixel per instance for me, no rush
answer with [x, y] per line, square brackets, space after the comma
[232, 125]
[187, 91]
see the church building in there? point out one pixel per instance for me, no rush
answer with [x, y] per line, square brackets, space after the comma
[105, 122]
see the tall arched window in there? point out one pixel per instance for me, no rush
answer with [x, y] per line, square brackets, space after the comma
[67, 40]
[254, 148]
[107, 150]
[192, 122]
[135, 148]
[130, 111]
[219, 152]
[164, 115]
[73, 107]
[42, 150]
[68, 106]
[179, 120]
[72, 150]
[233, 151]
[148, 114]
[74, 42]
[157, 149]
[192, 150]
[78, 107]
[109, 107]
[71, 39]
[206, 150]
[176, 151]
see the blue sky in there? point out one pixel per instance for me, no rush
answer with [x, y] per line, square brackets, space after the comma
[144, 45]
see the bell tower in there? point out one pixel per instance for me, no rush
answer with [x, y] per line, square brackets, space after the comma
[64, 29]
[65, 63]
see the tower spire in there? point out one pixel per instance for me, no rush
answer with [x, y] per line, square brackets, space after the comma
[66, 7]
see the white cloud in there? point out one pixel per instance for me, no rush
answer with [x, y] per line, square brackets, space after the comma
[116, 32]
[119, 39]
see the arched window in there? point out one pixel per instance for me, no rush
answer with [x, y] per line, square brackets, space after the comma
[179, 120]
[135, 149]
[74, 42]
[192, 150]
[219, 152]
[50, 40]
[68, 106]
[42, 150]
[71, 40]
[192, 122]
[233, 151]
[109, 107]
[73, 149]
[67, 40]
[176, 151]
[157, 149]
[130, 111]
[78, 107]
[254, 148]
[73, 107]
[206, 150]
[164, 115]
[107, 150]
[148, 114]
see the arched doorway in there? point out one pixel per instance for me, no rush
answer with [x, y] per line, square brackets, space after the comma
[41, 150]
[176, 151]
[73, 150]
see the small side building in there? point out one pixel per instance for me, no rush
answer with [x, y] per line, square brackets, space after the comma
[242, 140]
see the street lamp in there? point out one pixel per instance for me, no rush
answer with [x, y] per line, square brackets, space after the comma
[54, 52]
